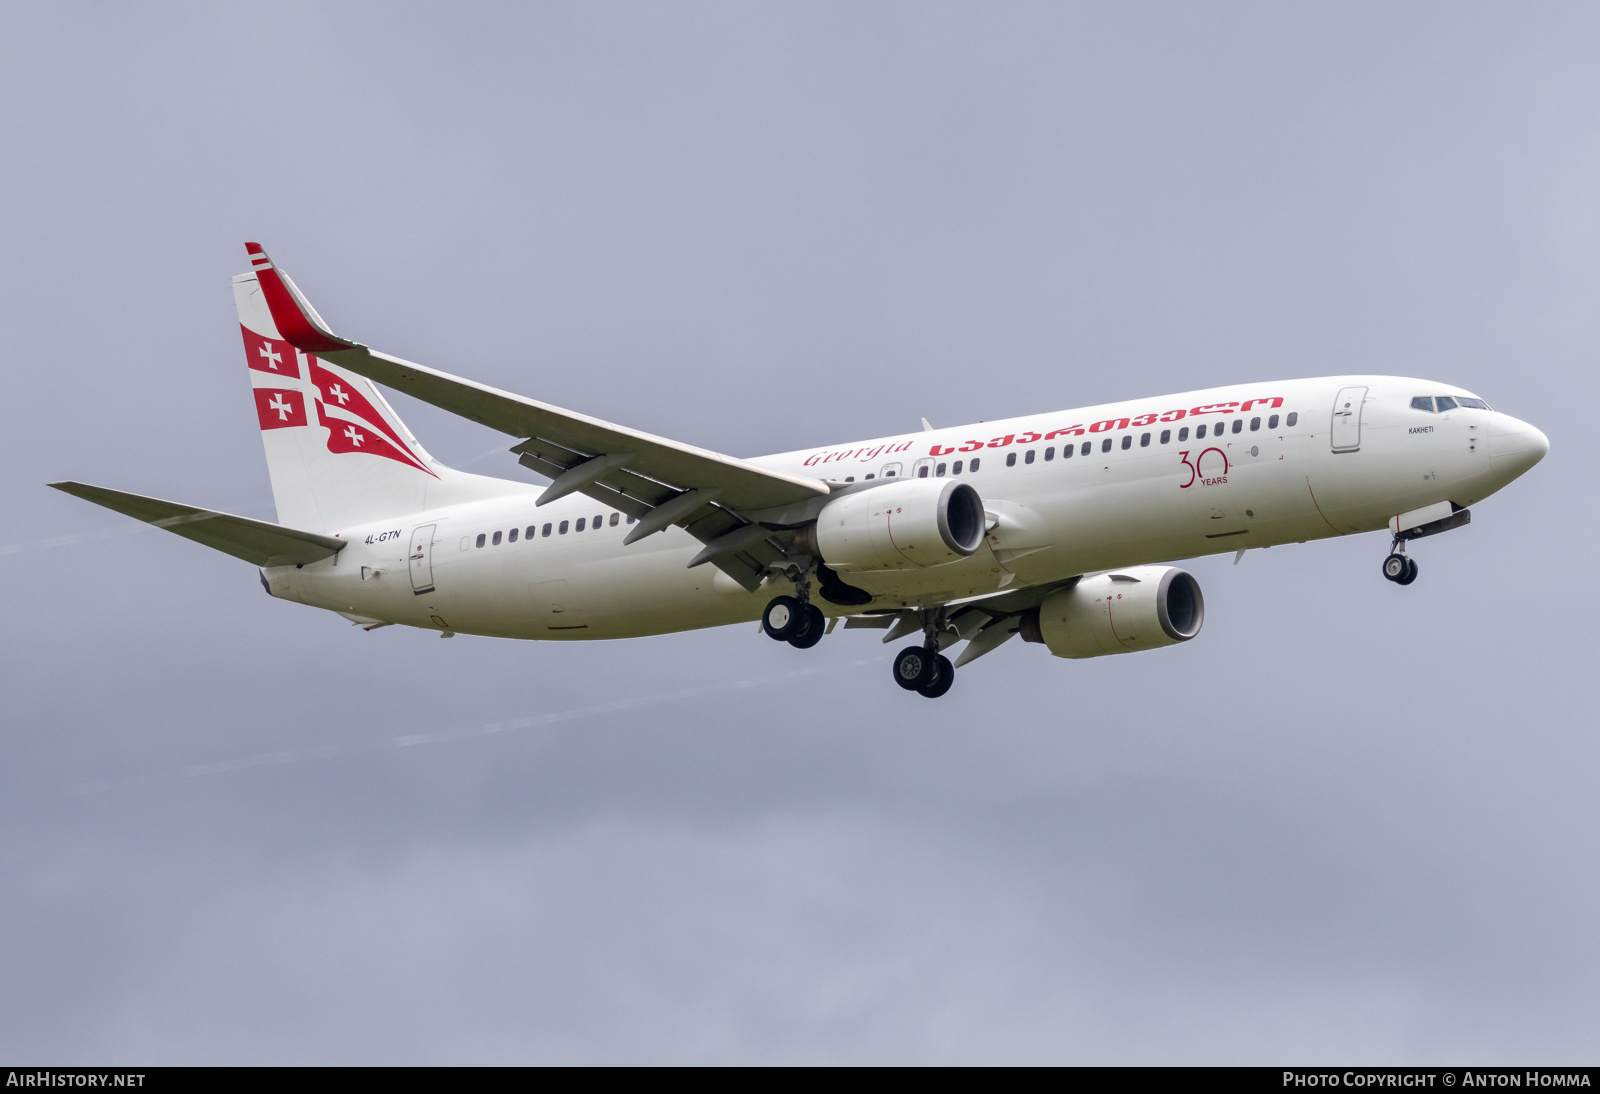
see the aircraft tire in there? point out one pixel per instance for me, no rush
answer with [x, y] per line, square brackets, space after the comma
[1410, 575]
[1396, 567]
[915, 667]
[816, 626]
[944, 676]
[783, 618]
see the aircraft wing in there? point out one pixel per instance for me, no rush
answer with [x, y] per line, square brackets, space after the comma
[256, 541]
[657, 480]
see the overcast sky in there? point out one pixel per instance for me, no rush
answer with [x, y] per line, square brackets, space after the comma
[1350, 822]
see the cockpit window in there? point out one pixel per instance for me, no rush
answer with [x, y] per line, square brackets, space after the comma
[1445, 403]
[1475, 404]
[1423, 402]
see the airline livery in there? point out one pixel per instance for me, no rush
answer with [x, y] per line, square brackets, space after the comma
[1051, 526]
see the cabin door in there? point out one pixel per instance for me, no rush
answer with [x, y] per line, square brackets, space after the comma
[419, 559]
[1346, 432]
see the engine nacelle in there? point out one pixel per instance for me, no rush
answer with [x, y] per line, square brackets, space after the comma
[903, 525]
[1138, 608]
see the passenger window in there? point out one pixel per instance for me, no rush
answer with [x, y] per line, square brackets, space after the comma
[1105, 445]
[1066, 451]
[1027, 457]
[579, 528]
[849, 478]
[599, 519]
[614, 518]
[1272, 422]
[869, 478]
[1144, 440]
[630, 521]
[481, 539]
[1166, 436]
[891, 470]
[533, 529]
[938, 472]
[511, 536]
[1255, 424]
[1294, 416]
[545, 531]
[1011, 459]
[1199, 432]
[496, 540]
[1238, 425]
[1444, 403]
[1088, 446]
[922, 472]
[1049, 454]
[1127, 442]
[955, 468]
[1183, 434]
[562, 530]
[1423, 402]
[973, 465]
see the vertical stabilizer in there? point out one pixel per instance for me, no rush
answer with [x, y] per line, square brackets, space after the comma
[337, 452]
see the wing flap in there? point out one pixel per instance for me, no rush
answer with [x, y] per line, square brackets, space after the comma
[256, 541]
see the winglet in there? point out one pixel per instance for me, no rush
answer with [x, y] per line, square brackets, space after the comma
[297, 321]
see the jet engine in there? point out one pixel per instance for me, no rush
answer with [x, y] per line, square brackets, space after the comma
[905, 525]
[1138, 608]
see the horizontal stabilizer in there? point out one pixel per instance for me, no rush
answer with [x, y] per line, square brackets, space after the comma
[256, 541]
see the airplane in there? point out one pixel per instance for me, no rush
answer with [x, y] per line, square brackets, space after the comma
[1056, 527]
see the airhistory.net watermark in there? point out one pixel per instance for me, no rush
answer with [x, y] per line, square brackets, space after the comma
[49, 1077]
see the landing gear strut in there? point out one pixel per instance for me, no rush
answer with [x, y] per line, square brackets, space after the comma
[923, 669]
[1399, 567]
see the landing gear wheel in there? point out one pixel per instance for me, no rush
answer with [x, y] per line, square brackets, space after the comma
[815, 625]
[1397, 568]
[916, 667]
[784, 618]
[1410, 575]
[944, 676]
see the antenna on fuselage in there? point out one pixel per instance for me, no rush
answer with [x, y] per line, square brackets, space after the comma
[926, 427]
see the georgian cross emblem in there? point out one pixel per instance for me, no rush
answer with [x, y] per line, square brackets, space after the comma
[355, 438]
[274, 359]
[339, 393]
[284, 409]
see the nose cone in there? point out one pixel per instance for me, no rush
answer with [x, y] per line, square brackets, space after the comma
[1514, 446]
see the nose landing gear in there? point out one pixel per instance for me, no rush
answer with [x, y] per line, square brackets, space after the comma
[1399, 567]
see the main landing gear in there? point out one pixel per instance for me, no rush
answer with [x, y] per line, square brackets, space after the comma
[794, 619]
[788, 620]
[797, 621]
[1399, 567]
[923, 669]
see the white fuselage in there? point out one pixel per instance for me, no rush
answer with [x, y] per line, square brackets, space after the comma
[1288, 466]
